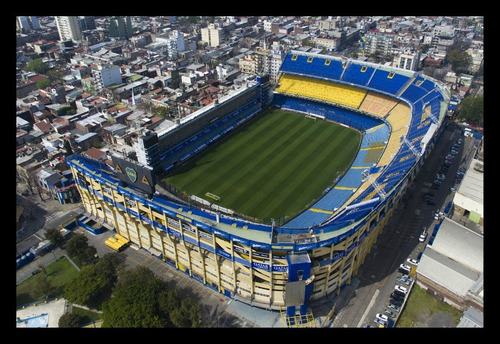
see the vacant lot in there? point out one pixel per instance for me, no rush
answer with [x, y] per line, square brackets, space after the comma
[424, 310]
[274, 166]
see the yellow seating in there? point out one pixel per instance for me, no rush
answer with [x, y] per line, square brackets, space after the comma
[321, 89]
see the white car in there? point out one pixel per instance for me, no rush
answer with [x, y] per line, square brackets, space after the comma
[412, 261]
[382, 317]
[405, 267]
[400, 288]
[422, 236]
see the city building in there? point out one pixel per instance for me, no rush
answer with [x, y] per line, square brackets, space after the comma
[120, 27]
[174, 44]
[59, 185]
[469, 198]
[378, 42]
[27, 23]
[407, 60]
[277, 56]
[106, 75]
[213, 35]
[68, 28]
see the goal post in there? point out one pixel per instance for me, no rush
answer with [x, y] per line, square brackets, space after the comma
[212, 196]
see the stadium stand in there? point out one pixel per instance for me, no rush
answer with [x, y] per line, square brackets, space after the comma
[321, 89]
[407, 102]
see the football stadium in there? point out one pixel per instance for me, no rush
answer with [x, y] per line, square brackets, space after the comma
[285, 188]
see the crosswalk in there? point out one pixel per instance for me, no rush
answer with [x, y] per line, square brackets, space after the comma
[52, 216]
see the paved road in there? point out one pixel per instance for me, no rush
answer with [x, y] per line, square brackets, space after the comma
[399, 239]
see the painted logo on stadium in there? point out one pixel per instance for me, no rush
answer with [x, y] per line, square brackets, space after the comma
[131, 174]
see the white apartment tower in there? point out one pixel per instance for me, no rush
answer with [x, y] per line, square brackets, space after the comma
[68, 28]
[277, 56]
[175, 44]
[213, 35]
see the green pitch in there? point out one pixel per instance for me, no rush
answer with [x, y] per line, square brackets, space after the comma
[272, 167]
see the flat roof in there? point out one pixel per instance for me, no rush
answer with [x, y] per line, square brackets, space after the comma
[455, 258]
[472, 184]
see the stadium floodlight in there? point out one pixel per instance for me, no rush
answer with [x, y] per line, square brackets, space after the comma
[365, 175]
[413, 149]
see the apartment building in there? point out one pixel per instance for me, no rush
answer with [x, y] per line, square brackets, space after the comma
[68, 28]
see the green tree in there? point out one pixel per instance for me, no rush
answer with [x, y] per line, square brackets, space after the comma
[187, 315]
[142, 299]
[67, 148]
[37, 66]
[94, 283]
[55, 236]
[135, 300]
[160, 111]
[41, 286]
[55, 76]
[69, 320]
[43, 83]
[459, 60]
[471, 110]
[78, 249]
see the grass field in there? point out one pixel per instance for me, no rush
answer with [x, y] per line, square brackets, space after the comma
[272, 167]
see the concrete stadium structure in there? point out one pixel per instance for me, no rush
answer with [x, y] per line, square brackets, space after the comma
[317, 252]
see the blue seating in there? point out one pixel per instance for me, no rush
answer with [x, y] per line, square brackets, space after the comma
[358, 74]
[320, 66]
[381, 80]
[417, 90]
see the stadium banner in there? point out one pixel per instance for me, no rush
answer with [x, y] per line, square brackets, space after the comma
[133, 173]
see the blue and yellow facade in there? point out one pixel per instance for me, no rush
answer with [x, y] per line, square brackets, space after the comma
[250, 262]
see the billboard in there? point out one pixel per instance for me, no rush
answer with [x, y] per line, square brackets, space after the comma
[133, 173]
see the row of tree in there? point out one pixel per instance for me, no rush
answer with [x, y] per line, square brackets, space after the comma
[127, 297]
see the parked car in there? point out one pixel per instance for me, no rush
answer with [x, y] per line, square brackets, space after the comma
[397, 297]
[400, 288]
[412, 261]
[404, 279]
[405, 267]
[390, 313]
[422, 236]
[394, 307]
[382, 317]
[380, 322]
[395, 302]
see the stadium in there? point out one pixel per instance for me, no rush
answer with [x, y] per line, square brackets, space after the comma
[394, 115]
